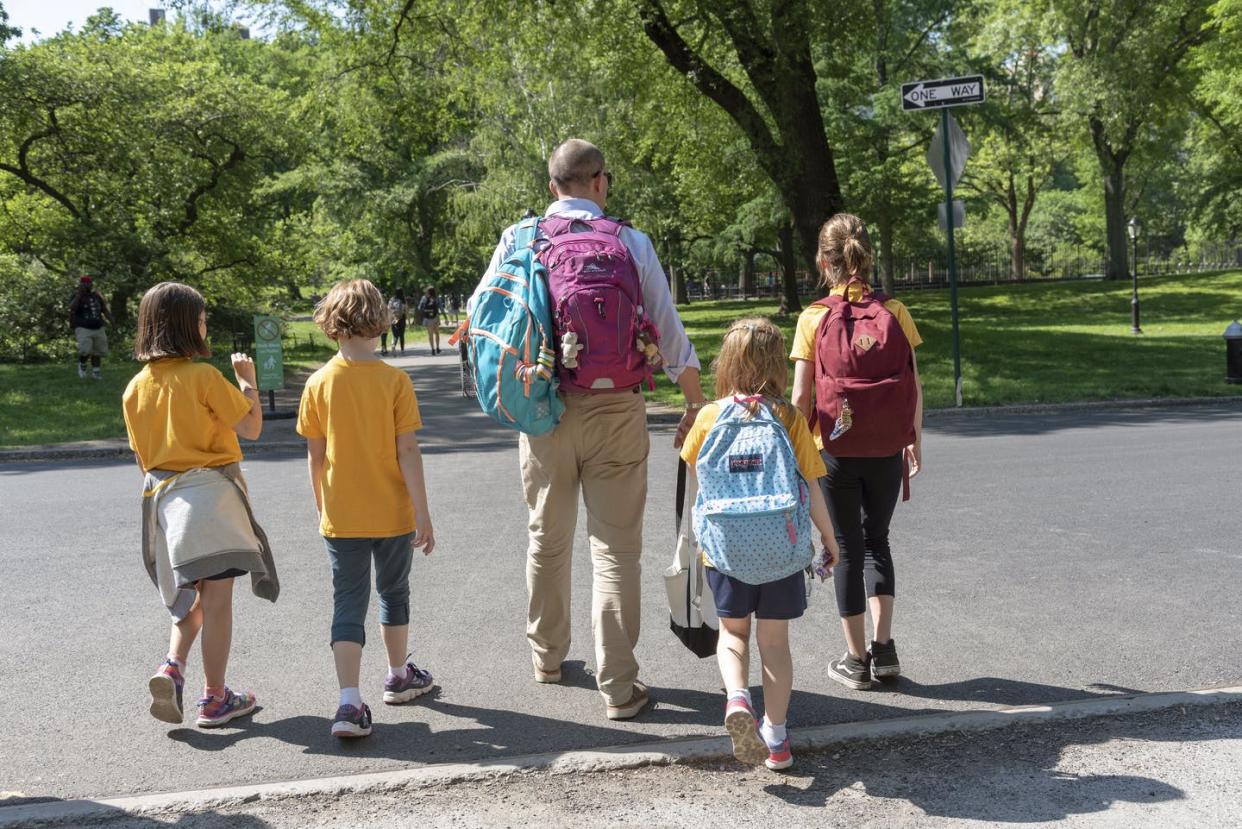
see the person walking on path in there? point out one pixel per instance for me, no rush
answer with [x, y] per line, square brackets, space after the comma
[429, 313]
[199, 532]
[87, 313]
[880, 437]
[454, 307]
[359, 416]
[600, 448]
[398, 310]
[751, 370]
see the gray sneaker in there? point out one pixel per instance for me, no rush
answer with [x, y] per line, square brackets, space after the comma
[851, 672]
[415, 683]
[884, 662]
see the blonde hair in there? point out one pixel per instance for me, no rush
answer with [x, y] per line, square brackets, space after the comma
[844, 251]
[752, 360]
[353, 308]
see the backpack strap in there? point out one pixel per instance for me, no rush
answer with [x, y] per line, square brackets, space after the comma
[527, 230]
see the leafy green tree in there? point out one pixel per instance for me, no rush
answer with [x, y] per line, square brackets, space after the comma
[1126, 66]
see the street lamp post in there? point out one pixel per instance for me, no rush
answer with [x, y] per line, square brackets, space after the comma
[1134, 228]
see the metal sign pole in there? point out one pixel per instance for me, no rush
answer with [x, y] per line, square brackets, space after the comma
[948, 212]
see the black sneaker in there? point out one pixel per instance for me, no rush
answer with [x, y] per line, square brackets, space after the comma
[851, 672]
[884, 664]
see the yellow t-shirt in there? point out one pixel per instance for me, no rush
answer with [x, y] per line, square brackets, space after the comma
[180, 415]
[810, 464]
[808, 324]
[360, 407]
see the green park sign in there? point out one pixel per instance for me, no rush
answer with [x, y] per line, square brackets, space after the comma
[268, 357]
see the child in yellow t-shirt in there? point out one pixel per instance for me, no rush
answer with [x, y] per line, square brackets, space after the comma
[359, 415]
[752, 363]
[183, 416]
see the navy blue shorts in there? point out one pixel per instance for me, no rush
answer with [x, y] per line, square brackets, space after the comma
[783, 599]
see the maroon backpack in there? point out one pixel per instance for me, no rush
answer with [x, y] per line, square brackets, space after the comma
[865, 393]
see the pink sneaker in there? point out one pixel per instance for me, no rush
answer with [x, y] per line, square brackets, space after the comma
[779, 758]
[748, 746]
[166, 688]
[216, 711]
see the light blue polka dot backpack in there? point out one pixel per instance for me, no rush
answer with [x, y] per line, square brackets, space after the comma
[752, 516]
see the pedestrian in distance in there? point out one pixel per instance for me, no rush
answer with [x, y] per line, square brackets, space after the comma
[856, 377]
[87, 313]
[454, 307]
[397, 309]
[359, 416]
[429, 315]
[198, 529]
[600, 445]
[779, 457]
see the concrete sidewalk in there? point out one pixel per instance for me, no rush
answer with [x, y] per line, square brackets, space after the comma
[1173, 766]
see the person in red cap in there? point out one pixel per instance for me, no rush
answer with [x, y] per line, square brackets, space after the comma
[87, 313]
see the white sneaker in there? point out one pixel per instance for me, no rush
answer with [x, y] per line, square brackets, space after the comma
[97, 374]
[81, 371]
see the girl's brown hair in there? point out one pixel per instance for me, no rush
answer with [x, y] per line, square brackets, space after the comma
[752, 360]
[353, 309]
[844, 251]
[168, 323]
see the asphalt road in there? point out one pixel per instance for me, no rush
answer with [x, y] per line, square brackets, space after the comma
[1042, 558]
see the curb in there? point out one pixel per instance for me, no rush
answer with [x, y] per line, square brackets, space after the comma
[614, 758]
[665, 416]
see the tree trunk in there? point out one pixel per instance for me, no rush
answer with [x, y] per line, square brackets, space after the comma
[797, 158]
[1112, 169]
[790, 304]
[884, 224]
[676, 275]
[746, 278]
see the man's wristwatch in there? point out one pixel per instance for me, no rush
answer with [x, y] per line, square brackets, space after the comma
[694, 407]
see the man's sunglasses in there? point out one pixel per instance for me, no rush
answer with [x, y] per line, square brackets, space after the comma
[607, 174]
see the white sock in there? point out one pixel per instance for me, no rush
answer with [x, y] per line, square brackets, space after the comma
[396, 672]
[773, 735]
[351, 696]
[741, 693]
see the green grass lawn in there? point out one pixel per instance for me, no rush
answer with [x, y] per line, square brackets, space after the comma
[48, 403]
[1020, 343]
[1045, 342]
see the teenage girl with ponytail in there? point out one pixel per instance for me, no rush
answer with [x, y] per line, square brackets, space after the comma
[861, 491]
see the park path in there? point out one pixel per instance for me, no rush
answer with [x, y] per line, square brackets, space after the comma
[1043, 558]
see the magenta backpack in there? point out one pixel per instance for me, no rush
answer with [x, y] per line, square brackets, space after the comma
[606, 341]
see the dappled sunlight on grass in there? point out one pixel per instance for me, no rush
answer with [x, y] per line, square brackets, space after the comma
[1046, 342]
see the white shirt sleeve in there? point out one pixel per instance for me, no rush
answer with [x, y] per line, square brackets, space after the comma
[675, 346]
[504, 248]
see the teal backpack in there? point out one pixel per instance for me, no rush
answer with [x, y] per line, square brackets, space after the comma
[509, 337]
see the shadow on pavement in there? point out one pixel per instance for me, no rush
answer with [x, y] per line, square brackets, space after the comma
[1004, 424]
[993, 777]
[495, 734]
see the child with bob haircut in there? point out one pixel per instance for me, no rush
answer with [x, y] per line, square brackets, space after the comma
[751, 367]
[199, 532]
[359, 415]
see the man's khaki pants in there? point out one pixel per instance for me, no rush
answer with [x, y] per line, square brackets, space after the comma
[600, 446]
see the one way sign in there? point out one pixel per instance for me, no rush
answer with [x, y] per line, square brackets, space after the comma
[946, 92]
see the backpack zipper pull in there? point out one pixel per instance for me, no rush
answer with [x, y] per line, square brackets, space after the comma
[790, 528]
[599, 306]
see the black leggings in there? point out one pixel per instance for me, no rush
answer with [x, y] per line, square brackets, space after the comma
[861, 495]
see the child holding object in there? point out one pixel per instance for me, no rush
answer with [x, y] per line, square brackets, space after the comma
[199, 533]
[757, 471]
[359, 415]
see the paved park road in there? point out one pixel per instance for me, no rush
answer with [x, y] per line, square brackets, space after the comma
[1042, 558]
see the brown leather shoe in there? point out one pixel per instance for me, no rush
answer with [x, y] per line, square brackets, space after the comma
[638, 701]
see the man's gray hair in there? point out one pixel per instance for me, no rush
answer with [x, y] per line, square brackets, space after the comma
[574, 161]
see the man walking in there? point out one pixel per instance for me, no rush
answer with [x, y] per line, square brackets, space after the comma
[599, 447]
[87, 312]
